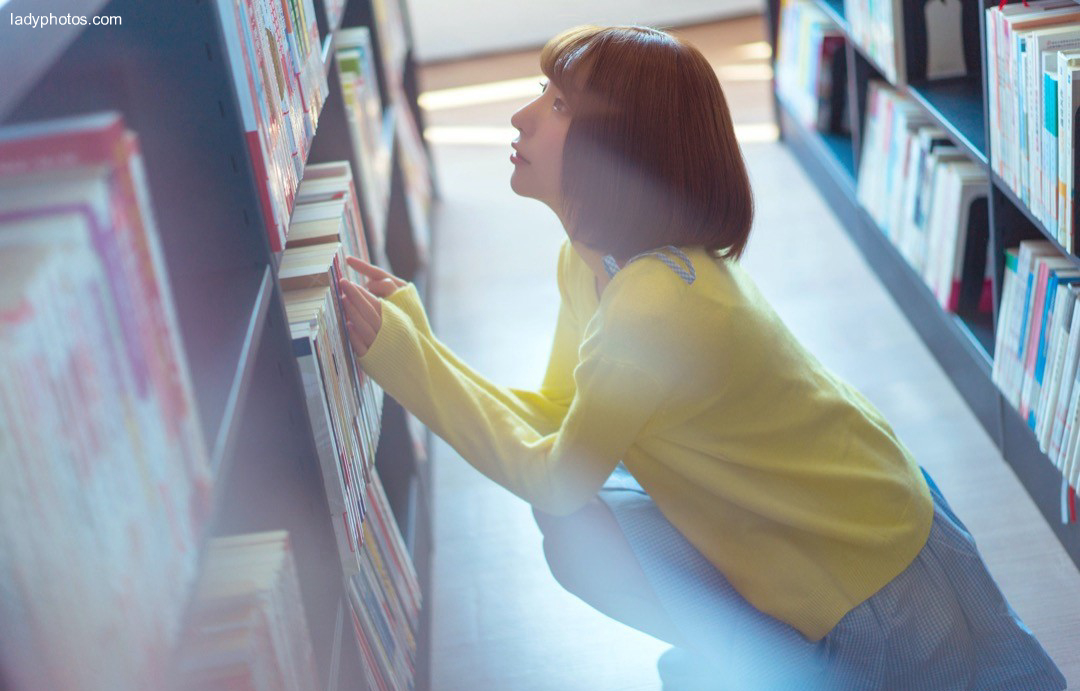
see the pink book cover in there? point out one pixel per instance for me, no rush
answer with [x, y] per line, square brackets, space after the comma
[1041, 276]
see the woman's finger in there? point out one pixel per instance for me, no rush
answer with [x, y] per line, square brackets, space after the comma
[365, 332]
[382, 287]
[358, 312]
[361, 311]
[372, 271]
[360, 338]
[361, 296]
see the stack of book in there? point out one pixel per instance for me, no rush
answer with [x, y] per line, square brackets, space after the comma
[925, 195]
[1037, 352]
[1033, 71]
[419, 190]
[877, 26]
[393, 40]
[344, 407]
[101, 450]
[811, 67]
[327, 210]
[277, 68]
[363, 110]
[912, 42]
[246, 628]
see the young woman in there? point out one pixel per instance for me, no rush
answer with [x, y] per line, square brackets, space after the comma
[697, 474]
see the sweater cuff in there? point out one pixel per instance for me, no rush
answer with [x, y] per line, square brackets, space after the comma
[409, 301]
[388, 353]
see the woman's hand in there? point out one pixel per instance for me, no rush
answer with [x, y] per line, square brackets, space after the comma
[379, 282]
[363, 306]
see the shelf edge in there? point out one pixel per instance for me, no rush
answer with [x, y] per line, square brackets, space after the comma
[230, 418]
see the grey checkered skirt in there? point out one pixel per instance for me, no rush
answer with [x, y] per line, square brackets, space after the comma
[941, 625]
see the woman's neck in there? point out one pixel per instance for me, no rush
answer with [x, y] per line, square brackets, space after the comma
[595, 261]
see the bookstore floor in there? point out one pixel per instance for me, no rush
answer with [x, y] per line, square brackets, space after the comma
[500, 619]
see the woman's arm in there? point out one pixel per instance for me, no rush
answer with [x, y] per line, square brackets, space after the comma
[543, 409]
[558, 470]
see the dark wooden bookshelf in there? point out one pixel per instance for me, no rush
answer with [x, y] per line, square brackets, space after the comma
[962, 343]
[36, 50]
[827, 166]
[956, 105]
[165, 69]
[1038, 475]
[1023, 210]
[222, 350]
[835, 11]
[981, 328]
[958, 350]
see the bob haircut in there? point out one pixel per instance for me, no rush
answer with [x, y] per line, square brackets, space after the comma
[650, 157]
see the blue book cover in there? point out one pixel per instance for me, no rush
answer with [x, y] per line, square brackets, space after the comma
[1056, 279]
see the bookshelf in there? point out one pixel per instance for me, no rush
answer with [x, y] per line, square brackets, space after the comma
[165, 69]
[963, 343]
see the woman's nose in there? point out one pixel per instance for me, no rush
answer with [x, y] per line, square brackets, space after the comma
[517, 120]
[520, 120]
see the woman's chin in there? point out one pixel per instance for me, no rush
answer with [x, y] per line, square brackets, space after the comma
[519, 187]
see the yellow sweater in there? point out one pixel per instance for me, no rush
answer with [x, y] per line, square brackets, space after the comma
[784, 477]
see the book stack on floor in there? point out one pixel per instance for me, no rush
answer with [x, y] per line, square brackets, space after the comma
[280, 82]
[1038, 348]
[811, 68]
[344, 407]
[926, 196]
[106, 482]
[1033, 70]
[246, 628]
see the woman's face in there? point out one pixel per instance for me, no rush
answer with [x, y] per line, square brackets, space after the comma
[538, 150]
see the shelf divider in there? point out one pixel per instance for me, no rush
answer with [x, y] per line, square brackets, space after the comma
[956, 105]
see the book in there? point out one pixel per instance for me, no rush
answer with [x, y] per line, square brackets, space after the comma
[1017, 37]
[372, 147]
[247, 628]
[327, 197]
[878, 27]
[275, 59]
[344, 407]
[1068, 110]
[102, 447]
[942, 39]
[811, 66]
[1062, 368]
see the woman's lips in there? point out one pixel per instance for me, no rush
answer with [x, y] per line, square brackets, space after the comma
[516, 157]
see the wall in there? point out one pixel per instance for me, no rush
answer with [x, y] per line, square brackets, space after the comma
[459, 28]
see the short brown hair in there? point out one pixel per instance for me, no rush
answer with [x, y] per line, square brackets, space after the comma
[650, 158]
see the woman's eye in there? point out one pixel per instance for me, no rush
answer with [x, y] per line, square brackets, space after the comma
[560, 105]
[543, 86]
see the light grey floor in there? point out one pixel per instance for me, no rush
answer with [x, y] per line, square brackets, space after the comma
[501, 622]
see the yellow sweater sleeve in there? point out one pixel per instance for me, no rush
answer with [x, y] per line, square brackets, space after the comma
[557, 471]
[543, 410]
